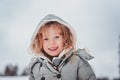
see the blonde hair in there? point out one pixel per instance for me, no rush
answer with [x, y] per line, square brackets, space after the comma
[68, 37]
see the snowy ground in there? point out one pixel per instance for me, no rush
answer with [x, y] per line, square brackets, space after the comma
[14, 78]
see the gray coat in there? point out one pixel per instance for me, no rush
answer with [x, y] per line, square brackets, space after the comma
[74, 66]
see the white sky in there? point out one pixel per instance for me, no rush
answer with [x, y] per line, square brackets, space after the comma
[97, 26]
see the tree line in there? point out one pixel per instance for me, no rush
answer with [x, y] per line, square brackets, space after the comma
[12, 70]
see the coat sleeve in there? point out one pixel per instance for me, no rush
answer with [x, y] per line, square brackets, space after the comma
[31, 77]
[32, 68]
[85, 71]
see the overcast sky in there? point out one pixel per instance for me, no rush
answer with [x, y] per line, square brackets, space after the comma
[96, 23]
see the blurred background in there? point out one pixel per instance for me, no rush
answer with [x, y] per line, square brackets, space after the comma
[96, 23]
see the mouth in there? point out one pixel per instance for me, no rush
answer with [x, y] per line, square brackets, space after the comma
[53, 48]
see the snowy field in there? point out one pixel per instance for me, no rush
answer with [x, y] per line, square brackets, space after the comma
[14, 78]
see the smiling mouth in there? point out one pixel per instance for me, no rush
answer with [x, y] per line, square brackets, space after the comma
[53, 48]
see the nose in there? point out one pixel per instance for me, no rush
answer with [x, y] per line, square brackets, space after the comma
[52, 42]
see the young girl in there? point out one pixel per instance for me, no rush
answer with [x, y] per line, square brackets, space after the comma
[57, 59]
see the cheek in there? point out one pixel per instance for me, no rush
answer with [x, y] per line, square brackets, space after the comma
[61, 43]
[45, 45]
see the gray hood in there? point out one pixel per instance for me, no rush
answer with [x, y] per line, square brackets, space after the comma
[46, 19]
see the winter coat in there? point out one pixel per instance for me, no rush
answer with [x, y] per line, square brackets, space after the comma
[74, 66]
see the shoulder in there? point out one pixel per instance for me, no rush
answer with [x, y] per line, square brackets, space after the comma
[35, 60]
[85, 68]
[82, 57]
[83, 54]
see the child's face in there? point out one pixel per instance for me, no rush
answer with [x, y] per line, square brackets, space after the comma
[52, 42]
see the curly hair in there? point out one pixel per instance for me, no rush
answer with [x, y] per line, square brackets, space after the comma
[67, 35]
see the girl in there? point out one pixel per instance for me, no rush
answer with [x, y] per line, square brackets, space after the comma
[57, 59]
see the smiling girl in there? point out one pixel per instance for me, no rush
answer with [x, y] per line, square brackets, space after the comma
[57, 59]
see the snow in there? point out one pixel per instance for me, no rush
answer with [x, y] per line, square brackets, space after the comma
[14, 78]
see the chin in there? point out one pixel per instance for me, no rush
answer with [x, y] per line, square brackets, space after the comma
[54, 55]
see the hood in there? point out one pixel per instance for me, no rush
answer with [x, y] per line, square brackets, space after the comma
[46, 19]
